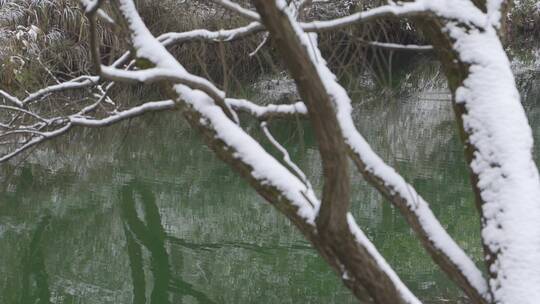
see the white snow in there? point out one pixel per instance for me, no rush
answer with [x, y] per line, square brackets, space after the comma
[508, 177]
[455, 9]
[361, 238]
[89, 5]
[122, 115]
[430, 225]
[265, 168]
[76, 83]
[340, 97]
[249, 14]
[262, 111]
[200, 34]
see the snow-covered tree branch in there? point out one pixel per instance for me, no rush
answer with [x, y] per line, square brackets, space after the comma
[466, 36]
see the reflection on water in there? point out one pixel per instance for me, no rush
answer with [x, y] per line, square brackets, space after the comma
[34, 276]
[148, 232]
[146, 214]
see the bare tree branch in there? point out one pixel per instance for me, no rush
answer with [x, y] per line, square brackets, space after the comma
[237, 8]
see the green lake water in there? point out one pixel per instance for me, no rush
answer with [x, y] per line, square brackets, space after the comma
[144, 213]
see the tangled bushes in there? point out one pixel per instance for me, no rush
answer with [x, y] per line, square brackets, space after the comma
[524, 21]
[45, 40]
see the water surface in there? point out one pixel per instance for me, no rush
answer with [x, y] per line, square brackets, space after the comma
[144, 213]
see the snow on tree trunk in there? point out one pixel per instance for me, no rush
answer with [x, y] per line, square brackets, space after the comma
[507, 178]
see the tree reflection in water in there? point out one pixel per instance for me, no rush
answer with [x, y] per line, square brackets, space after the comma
[35, 280]
[143, 230]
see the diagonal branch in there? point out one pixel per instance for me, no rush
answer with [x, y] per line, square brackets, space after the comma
[286, 157]
[270, 178]
[12, 99]
[165, 66]
[76, 83]
[406, 9]
[205, 35]
[336, 196]
[237, 8]
[498, 149]
[22, 110]
[270, 111]
[416, 211]
[435, 239]
[360, 263]
[449, 10]
[64, 124]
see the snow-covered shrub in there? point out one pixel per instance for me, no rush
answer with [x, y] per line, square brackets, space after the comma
[524, 20]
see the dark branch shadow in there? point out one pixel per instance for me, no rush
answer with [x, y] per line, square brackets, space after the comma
[35, 280]
[149, 233]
